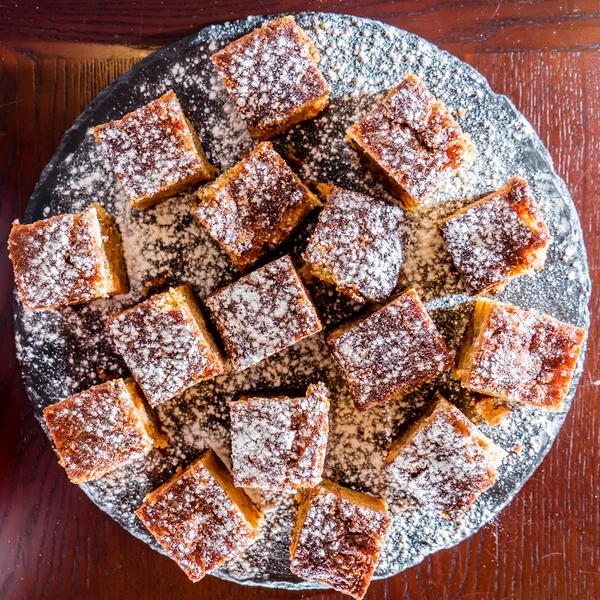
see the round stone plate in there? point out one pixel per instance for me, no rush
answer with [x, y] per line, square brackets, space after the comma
[66, 351]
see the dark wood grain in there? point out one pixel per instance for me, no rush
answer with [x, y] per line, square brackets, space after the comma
[56, 56]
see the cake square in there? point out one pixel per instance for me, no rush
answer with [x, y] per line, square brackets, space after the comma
[155, 152]
[165, 343]
[519, 356]
[254, 206]
[357, 245]
[389, 352]
[273, 78]
[200, 518]
[444, 461]
[497, 238]
[278, 442]
[101, 429]
[411, 142]
[263, 312]
[338, 536]
[68, 259]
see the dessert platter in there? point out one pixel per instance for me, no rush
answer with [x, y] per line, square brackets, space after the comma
[300, 301]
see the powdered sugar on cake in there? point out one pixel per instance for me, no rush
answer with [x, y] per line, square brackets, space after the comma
[152, 148]
[97, 431]
[271, 73]
[446, 464]
[263, 313]
[163, 347]
[280, 443]
[254, 207]
[59, 261]
[492, 239]
[357, 245]
[62, 350]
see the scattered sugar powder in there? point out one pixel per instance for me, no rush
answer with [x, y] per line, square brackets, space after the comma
[67, 351]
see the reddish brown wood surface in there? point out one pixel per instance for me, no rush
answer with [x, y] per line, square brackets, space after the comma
[56, 56]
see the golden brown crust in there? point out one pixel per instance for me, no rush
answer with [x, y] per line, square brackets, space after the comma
[99, 430]
[67, 259]
[518, 356]
[411, 142]
[199, 517]
[443, 460]
[496, 238]
[389, 352]
[272, 76]
[254, 206]
[338, 536]
[155, 152]
[166, 344]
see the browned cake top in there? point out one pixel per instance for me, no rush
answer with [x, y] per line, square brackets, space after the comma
[357, 243]
[57, 261]
[195, 521]
[254, 206]
[414, 138]
[280, 443]
[263, 313]
[526, 357]
[163, 346]
[390, 352]
[340, 542]
[446, 463]
[495, 237]
[271, 73]
[97, 430]
[151, 148]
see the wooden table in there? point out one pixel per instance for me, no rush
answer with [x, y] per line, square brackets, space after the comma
[55, 56]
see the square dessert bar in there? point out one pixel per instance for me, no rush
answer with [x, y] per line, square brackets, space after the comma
[263, 312]
[390, 352]
[101, 429]
[68, 259]
[272, 77]
[254, 206]
[200, 518]
[338, 536]
[165, 343]
[278, 442]
[411, 142]
[356, 245]
[517, 355]
[155, 152]
[444, 461]
[499, 237]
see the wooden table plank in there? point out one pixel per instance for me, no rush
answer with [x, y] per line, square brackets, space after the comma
[54, 542]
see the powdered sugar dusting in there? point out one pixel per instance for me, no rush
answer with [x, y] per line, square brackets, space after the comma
[445, 464]
[59, 261]
[61, 351]
[271, 74]
[153, 149]
[357, 245]
[263, 313]
[280, 443]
